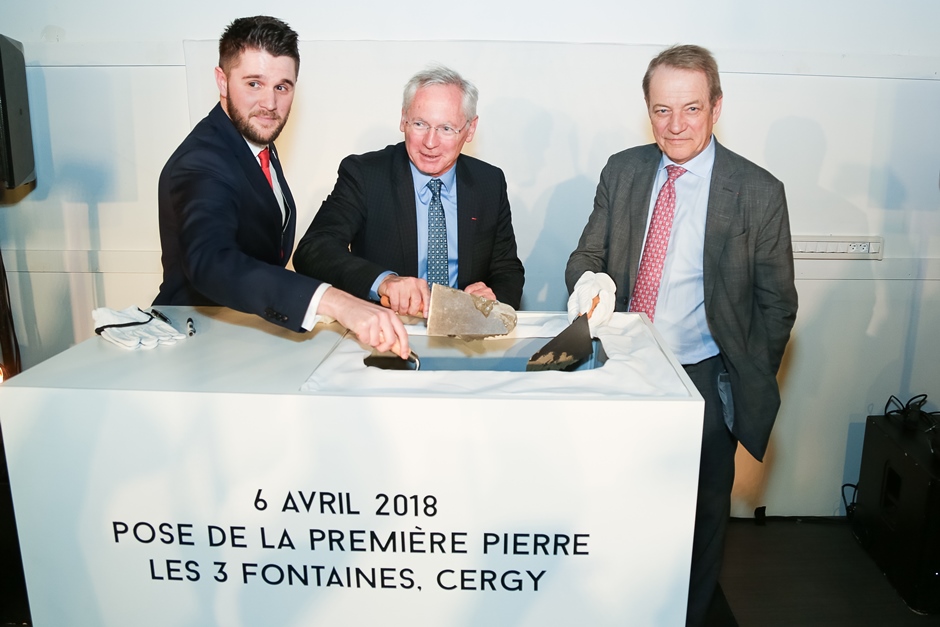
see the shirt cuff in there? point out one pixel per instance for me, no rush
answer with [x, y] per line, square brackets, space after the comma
[311, 318]
[374, 291]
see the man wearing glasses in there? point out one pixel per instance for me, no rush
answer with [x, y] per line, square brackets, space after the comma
[419, 212]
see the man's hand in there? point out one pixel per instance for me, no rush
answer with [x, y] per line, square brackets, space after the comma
[588, 286]
[480, 289]
[406, 295]
[373, 325]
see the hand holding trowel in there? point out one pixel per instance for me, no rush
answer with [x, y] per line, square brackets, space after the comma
[455, 313]
[407, 296]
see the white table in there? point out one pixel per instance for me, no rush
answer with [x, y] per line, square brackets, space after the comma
[242, 477]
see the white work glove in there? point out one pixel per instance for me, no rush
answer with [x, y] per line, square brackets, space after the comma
[593, 284]
[142, 330]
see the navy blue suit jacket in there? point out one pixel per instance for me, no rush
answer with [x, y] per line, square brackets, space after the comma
[368, 225]
[223, 238]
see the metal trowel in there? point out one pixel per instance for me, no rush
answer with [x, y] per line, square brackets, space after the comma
[455, 313]
[391, 361]
[568, 347]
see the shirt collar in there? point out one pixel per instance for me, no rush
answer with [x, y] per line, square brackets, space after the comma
[255, 148]
[421, 179]
[701, 165]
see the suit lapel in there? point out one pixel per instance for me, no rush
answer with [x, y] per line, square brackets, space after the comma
[248, 164]
[406, 218]
[722, 207]
[466, 200]
[290, 213]
[633, 225]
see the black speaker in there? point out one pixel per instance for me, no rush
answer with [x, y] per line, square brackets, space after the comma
[17, 162]
[897, 514]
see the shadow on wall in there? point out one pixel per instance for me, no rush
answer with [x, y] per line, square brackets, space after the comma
[525, 132]
[812, 210]
[84, 160]
[14, 204]
[906, 185]
[566, 213]
[559, 214]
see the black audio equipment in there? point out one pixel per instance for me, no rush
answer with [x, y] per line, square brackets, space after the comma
[897, 514]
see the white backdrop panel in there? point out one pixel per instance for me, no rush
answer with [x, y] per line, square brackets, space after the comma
[551, 114]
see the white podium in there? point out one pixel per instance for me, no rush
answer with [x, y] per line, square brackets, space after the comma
[251, 476]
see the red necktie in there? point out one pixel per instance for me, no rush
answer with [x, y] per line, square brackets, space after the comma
[265, 157]
[650, 275]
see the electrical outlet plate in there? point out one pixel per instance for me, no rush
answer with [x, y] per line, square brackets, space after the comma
[838, 247]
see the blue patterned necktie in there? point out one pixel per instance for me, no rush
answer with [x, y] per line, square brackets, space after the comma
[437, 237]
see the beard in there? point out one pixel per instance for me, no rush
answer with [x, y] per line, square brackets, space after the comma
[242, 123]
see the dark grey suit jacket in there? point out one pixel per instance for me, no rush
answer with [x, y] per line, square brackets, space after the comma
[368, 225]
[221, 229]
[750, 298]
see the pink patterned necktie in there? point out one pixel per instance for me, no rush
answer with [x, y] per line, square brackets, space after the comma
[265, 157]
[646, 290]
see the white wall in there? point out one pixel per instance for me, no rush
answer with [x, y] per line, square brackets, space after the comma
[837, 99]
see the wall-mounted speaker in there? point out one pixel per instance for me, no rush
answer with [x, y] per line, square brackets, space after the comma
[17, 161]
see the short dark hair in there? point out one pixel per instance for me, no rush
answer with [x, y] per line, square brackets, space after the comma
[686, 57]
[257, 33]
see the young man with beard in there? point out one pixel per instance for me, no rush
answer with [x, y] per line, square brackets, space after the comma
[227, 217]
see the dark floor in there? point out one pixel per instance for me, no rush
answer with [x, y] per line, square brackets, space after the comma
[788, 572]
[808, 572]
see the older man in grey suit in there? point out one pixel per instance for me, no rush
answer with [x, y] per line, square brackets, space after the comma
[715, 277]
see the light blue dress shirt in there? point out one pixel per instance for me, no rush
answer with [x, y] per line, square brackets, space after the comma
[680, 307]
[422, 201]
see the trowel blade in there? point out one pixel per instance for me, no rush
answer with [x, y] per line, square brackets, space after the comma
[455, 313]
[565, 349]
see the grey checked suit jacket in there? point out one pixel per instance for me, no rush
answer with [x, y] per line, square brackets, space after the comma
[750, 298]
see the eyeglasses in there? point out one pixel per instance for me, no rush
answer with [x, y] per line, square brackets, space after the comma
[447, 131]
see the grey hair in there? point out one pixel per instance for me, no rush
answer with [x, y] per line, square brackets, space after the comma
[440, 75]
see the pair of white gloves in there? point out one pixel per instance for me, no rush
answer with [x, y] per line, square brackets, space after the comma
[132, 328]
[590, 285]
